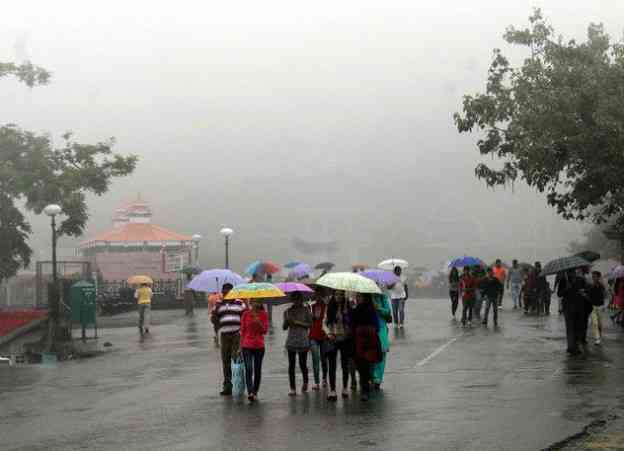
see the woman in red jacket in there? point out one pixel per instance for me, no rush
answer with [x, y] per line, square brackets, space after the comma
[254, 326]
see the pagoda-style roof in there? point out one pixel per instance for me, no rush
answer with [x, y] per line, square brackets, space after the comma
[138, 234]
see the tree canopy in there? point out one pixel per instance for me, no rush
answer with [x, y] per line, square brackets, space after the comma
[556, 121]
[35, 173]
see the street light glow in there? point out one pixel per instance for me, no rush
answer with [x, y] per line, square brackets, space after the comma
[226, 232]
[196, 238]
[52, 210]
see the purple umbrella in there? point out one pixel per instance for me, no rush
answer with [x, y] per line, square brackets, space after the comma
[294, 287]
[300, 271]
[212, 281]
[381, 277]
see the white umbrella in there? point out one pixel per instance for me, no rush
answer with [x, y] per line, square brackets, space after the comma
[392, 263]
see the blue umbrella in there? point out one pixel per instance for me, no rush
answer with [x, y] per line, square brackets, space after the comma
[466, 261]
[381, 277]
[212, 281]
[300, 271]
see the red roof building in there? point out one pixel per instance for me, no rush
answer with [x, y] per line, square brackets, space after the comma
[135, 246]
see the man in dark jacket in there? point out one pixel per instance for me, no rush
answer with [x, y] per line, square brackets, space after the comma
[491, 290]
[573, 291]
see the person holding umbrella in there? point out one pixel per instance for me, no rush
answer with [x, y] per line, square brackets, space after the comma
[398, 296]
[297, 321]
[227, 316]
[454, 290]
[254, 326]
[338, 332]
[317, 341]
[467, 289]
[143, 295]
[384, 316]
[365, 324]
[572, 289]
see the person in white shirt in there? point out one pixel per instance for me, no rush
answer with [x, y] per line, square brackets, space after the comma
[398, 296]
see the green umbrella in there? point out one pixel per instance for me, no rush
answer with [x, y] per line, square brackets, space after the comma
[348, 281]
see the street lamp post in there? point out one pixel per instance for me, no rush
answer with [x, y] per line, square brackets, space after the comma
[196, 239]
[52, 211]
[227, 233]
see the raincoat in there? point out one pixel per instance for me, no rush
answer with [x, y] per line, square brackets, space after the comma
[384, 314]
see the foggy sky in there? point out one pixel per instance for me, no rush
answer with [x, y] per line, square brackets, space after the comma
[325, 121]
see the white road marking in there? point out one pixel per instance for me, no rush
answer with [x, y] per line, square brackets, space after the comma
[436, 352]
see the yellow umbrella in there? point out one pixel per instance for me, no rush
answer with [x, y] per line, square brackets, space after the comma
[140, 280]
[255, 291]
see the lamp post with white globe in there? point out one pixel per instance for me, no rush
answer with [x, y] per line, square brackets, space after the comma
[196, 239]
[227, 233]
[53, 211]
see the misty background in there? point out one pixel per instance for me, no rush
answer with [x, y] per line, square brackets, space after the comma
[322, 122]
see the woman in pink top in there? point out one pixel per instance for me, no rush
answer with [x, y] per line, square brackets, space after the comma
[254, 326]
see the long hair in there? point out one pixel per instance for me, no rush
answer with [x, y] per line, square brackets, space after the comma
[332, 311]
[454, 275]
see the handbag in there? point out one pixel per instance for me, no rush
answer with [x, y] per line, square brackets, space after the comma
[238, 376]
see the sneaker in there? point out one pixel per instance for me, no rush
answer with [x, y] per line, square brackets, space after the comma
[331, 396]
[292, 392]
[598, 342]
[316, 387]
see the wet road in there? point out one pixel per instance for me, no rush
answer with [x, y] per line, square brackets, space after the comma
[446, 388]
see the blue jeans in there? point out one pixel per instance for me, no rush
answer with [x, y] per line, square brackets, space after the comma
[319, 361]
[515, 294]
[398, 311]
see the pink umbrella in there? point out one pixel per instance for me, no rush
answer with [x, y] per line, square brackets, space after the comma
[294, 287]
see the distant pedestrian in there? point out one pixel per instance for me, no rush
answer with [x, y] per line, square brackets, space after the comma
[338, 331]
[491, 287]
[143, 295]
[213, 300]
[398, 296]
[515, 277]
[254, 326]
[467, 288]
[597, 296]
[384, 315]
[297, 321]
[542, 291]
[530, 291]
[454, 290]
[501, 274]
[318, 342]
[572, 289]
[227, 315]
[588, 306]
[479, 274]
[365, 324]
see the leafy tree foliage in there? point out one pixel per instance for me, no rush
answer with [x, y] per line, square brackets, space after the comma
[33, 174]
[556, 121]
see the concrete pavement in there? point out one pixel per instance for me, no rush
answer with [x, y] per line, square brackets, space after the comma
[446, 388]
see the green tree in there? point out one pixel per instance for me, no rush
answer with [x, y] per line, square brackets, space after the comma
[34, 173]
[556, 121]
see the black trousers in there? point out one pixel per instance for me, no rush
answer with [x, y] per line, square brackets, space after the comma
[365, 370]
[344, 347]
[454, 301]
[253, 369]
[303, 366]
[574, 328]
[467, 310]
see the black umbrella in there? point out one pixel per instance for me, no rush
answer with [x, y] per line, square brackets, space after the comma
[564, 264]
[325, 266]
[590, 256]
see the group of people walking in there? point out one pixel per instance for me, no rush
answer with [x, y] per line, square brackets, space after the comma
[581, 294]
[352, 326]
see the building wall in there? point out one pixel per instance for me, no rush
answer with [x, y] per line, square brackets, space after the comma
[121, 265]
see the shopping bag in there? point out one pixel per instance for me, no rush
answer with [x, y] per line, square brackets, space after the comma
[238, 376]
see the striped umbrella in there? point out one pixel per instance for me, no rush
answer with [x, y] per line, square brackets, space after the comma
[564, 264]
[255, 291]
